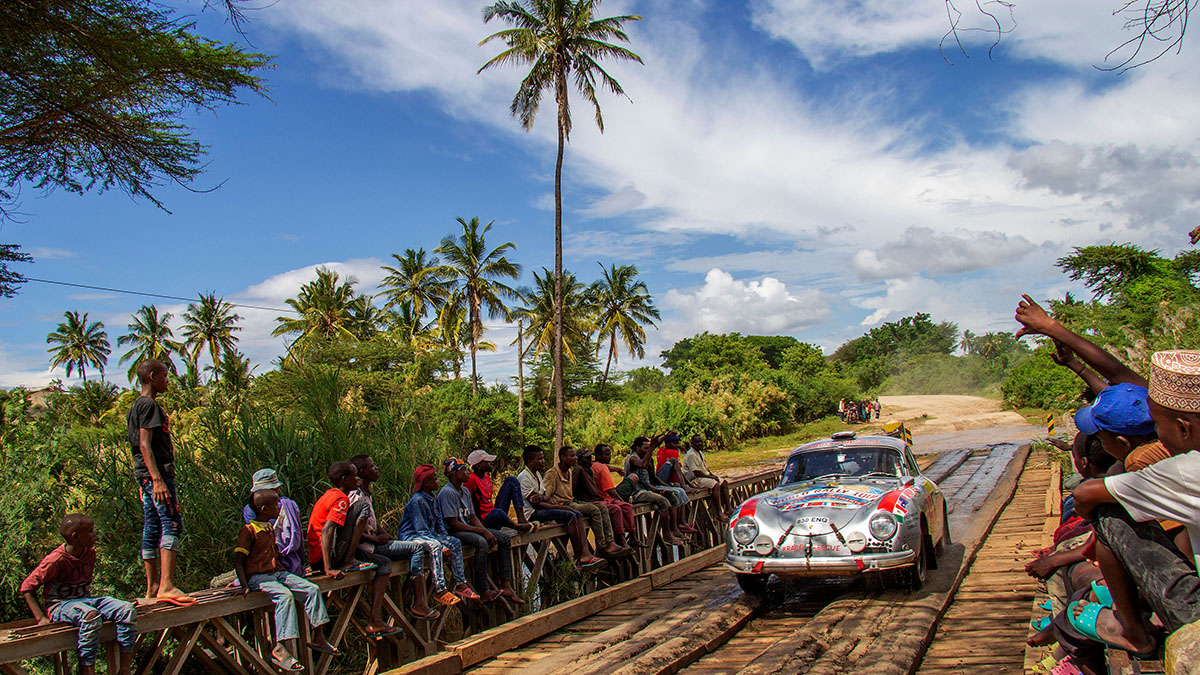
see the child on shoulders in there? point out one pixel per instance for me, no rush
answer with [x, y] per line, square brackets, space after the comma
[65, 579]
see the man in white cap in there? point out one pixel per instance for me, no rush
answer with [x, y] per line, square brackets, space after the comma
[493, 512]
[1135, 554]
[289, 531]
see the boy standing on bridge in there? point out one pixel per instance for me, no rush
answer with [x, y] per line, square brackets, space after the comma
[154, 468]
[256, 563]
[65, 578]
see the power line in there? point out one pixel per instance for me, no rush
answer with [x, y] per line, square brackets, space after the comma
[151, 295]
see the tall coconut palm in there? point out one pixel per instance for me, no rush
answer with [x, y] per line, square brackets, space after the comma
[79, 344]
[624, 307]
[538, 314]
[325, 310]
[210, 323]
[558, 40]
[477, 272]
[151, 338]
[414, 284]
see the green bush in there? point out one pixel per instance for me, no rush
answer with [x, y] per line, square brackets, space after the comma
[1040, 383]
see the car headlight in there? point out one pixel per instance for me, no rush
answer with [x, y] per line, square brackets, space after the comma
[745, 530]
[883, 526]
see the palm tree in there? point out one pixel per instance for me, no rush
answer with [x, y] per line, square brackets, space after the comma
[624, 307]
[451, 328]
[558, 39]
[151, 338]
[325, 309]
[414, 285]
[477, 272]
[578, 316]
[79, 344]
[967, 343]
[210, 323]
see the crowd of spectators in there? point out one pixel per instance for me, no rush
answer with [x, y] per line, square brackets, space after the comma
[1122, 570]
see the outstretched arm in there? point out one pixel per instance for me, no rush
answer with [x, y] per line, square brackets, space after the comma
[1035, 321]
[1066, 358]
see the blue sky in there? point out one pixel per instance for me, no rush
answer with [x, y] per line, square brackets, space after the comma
[784, 166]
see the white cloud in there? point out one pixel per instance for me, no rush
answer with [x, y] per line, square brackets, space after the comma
[921, 249]
[724, 304]
[46, 253]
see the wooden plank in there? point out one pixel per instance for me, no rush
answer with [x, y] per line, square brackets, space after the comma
[668, 573]
[242, 647]
[222, 655]
[183, 649]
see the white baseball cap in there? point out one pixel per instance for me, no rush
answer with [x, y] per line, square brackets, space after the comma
[478, 456]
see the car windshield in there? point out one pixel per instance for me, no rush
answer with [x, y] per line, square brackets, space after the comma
[842, 462]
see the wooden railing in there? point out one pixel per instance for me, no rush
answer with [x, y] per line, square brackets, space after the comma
[226, 632]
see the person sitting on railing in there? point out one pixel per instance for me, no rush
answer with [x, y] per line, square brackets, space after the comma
[493, 513]
[586, 486]
[378, 547]
[421, 522]
[695, 469]
[334, 530]
[631, 489]
[539, 508]
[289, 530]
[456, 508]
[256, 563]
[65, 579]
[641, 463]
[559, 492]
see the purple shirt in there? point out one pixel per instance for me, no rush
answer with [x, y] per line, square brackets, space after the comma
[289, 538]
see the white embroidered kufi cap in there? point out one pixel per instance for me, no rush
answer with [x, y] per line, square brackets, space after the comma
[1175, 379]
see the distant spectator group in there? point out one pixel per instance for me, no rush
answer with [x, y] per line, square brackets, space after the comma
[275, 551]
[858, 412]
[1122, 572]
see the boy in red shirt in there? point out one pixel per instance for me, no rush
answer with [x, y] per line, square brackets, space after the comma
[335, 529]
[494, 514]
[65, 578]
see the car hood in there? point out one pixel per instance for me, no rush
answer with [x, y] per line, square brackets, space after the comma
[810, 504]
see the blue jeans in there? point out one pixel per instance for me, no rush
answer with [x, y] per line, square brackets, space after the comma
[285, 588]
[437, 544]
[676, 495]
[504, 561]
[162, 523]
[75, 612]
[508, 495]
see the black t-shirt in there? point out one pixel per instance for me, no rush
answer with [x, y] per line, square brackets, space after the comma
[146, 413]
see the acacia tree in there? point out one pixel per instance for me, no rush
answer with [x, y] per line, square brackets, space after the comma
[559, 40]
[212, 323]
[477, 272]
[624, 308]
[79, 344]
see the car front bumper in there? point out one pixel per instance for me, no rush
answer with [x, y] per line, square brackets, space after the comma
[823, 566]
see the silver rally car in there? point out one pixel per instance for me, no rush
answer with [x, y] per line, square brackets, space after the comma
[845, 506]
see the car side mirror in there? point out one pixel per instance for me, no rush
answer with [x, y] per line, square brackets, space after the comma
[909, 481]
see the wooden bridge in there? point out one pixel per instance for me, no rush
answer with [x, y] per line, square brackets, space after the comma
[226, 632]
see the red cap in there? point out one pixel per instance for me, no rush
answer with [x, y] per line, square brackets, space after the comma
[420, 474]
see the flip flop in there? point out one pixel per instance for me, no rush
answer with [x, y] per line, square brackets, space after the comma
[360, 567]
[178, 600]
[1043, 604]
[513, 598]
[467, 594]
[288, 665]
[325, 649]
[1085, 625]
[1044, 666]
[431, 616]
[1066, 667]
[1040, 625]
[377, 634]
[593, 562]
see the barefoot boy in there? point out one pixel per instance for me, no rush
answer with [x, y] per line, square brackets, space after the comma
[256, 562]
[154, 468]
[65, 577]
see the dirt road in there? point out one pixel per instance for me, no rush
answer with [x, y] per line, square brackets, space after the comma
[944, 422]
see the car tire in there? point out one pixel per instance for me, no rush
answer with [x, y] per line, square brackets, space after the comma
[753, 584]
[914, 575]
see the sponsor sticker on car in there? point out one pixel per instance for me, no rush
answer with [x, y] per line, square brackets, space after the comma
[826, 497]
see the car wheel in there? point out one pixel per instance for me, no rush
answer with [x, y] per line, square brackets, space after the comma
[914, 575]
[753, 584]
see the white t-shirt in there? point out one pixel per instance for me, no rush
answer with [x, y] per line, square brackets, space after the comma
[693, 461]
[1169, 489]
[359, 496]
[530, 482]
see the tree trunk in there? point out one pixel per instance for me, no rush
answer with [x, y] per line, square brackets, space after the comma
[473, 303]
[612, 349]
[520, 376]
[83, 372]
[559, 403]
[212, 354]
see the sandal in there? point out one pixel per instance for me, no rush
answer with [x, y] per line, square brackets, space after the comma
[467, 594]
[1066, 667]
[512, 597]
[1085, 625]
[325, 649]
[377, 634]
[1044, 666]
[287, 665]
[1041, 624]
[178, 600]
[431, 616]
[1103, 595]
[447, 598]
[1043, 604]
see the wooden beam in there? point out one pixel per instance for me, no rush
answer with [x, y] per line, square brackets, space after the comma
[242, 647]
[184, 649]
[222, 655]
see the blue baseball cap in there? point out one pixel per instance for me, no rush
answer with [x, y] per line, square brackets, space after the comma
[1121, 409]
